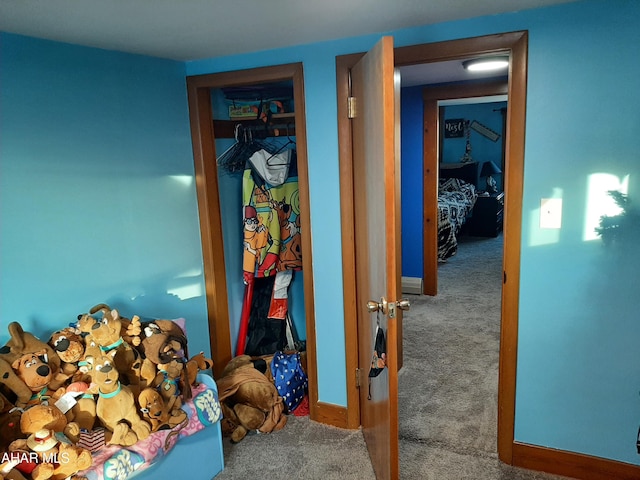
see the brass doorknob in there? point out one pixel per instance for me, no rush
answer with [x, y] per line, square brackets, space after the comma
[403, 304]
[381, 306]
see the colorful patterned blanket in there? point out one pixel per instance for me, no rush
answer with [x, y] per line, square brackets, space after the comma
[119, 463]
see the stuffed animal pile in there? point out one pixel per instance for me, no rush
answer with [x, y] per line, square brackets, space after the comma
[104, 376]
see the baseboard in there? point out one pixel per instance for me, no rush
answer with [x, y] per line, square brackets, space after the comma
[412, 285]
[570, 464]
[330, 414]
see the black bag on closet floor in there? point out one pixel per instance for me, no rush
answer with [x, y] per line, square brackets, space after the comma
[266, 336]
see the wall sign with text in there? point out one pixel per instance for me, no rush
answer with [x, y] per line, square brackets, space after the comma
[454, 128]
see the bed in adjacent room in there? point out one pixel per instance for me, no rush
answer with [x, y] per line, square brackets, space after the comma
[457, 194]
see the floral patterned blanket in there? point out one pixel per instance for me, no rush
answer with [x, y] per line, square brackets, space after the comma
[119, 463]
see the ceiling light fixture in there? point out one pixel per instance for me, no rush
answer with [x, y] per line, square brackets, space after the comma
[486, 64]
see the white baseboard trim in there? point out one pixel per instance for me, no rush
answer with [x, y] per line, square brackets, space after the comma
[412, 285]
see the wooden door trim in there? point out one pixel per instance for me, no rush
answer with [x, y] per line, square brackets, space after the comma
[203, 138]
[514, 43]
[571, 464]
[347, 215]
[431, 155]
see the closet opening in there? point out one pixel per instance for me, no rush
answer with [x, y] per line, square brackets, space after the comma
[250, 154]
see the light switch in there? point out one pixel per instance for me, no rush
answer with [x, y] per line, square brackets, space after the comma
[551, 213]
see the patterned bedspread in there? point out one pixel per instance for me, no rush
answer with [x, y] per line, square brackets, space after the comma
[119, 463]
[456, 199]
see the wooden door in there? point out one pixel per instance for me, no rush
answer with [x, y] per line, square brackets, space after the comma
[377, 236]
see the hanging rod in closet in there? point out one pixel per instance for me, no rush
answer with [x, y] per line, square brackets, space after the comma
[227, 128]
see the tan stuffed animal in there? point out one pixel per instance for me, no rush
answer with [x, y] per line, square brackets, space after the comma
[22, 342]
[157, 412]
[107, 334]
[75, 459]
[249, 400]
[130, 329]
[14, 384]
[116, 406]
[41, 417]
[36, 373]
[55, 460]
[69, 346]
[163, 341]
[168, 382]
[197, 363]
[84, 411]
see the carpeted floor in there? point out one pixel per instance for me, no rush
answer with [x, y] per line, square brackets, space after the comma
[447, 393]
[449, 383]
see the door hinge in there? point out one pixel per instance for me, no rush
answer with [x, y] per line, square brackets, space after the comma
[358, 377]
[351, 107]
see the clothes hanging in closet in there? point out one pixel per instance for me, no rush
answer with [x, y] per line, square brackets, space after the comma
[271, 215]
[272, 248]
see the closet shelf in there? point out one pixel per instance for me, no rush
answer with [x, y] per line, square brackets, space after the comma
[278, 126]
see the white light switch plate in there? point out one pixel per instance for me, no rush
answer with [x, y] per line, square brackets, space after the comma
[551, 213]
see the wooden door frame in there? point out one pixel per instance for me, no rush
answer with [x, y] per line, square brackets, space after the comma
[206, 175]
[510, 451]
[432, 145]
[515, 44]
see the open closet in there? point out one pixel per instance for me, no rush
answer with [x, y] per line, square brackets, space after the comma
[259, 199]
[248, 132]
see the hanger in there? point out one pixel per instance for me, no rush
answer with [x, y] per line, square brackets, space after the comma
[233, 160]
[290, 141]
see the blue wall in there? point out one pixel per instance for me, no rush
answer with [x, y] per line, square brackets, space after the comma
[578, 374]
[412, 118]
[579, 121]
[412, 201]
[482, 148]
[98, 202]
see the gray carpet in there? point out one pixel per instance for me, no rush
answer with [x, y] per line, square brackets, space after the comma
[447, 393]
[448, 386]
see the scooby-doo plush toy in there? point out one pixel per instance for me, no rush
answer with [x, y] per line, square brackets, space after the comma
[129, 329]
[36, 373]
[69, 346]
[157, 412]
[22, 343]
[163, 341]
[249, 400]
[116, 405]
[107, 334]
[13, 385]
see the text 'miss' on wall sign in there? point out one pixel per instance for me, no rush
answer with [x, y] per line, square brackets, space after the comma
[454, 128]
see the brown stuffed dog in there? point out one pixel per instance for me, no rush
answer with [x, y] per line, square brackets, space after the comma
[40, 417]
[156, 411]
[116, 406]
[14, 386]
[197, 363]
[76, 460]
[169, 384]
[130, 329]
[22, 342]
[36, 373]
[163, 341]
[249, 400]
[107, 334]
[69, 346]
[56, 460]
